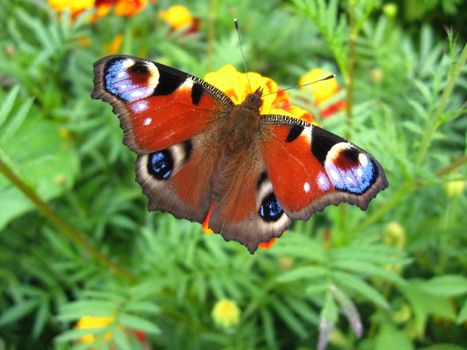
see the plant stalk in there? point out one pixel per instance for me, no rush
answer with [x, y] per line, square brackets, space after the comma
[72, 234]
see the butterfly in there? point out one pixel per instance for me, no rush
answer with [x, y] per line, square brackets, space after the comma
[202, 157]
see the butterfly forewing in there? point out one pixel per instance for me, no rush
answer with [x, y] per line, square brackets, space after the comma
[317, 168]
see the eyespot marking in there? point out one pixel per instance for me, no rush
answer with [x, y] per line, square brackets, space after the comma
[161, 165]
[350, 169]
[270, 209]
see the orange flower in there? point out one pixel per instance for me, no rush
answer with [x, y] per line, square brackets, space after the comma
[121, 7]
[128, 7]
[74, 6]
[235, 85]
[322, 92]
[179, 17]
[113, 47]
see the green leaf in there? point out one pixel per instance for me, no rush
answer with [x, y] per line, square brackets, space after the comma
[96, 308]
[76, 334]
[17, 312]
[268, 327]
[462, 317]
[289, 318]
[446, 286]
[138, 323]
[359, 286]
[425, 304]
[305, 272]
[41, 157]
[369, 269]
[120, 338]
[7, 104]
[390, 337]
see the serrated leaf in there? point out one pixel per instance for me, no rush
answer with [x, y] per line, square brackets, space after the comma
[76, 334]
[462, 317]
[7, 104]
[268, 327]
[425, 304]
[446, 286]
[138, 323]
[43, 158]
[305, 272]
[369, 269]
[358, 285]
[17, 312]
[390, 337]
[289, 318]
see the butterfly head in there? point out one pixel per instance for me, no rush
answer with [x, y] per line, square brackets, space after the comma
[253, 101]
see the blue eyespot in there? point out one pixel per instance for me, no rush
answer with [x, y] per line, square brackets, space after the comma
[161, 165]
[270, 209]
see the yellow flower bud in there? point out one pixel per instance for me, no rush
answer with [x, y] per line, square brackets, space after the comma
[402, 314]
[454, 189]
[394, 235]
[390, 9]
[226, 313]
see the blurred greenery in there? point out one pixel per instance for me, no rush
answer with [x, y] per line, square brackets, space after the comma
[76, 239]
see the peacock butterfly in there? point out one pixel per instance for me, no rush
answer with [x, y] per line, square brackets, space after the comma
[200, 155]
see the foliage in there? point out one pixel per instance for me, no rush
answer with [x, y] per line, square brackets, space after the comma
[76, 240]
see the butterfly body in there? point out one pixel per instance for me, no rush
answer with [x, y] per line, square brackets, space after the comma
[201, 155]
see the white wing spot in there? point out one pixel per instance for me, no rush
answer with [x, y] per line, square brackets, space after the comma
[139, 106]
[306, 187]
[147, 121]
[323, 182]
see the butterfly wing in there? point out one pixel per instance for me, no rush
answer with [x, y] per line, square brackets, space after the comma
[311, 168]
[166, 116]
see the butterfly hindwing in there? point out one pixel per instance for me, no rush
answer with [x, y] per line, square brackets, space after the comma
[247, 211]
[158, 106]
[311, 168]
[177, 179]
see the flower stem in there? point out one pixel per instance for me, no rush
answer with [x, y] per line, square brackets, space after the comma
[351, 70]
[73, 235]
[211, 32]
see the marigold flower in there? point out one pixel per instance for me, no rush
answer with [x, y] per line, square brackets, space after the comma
[235, 85]
[121, 7]
[129, 7]
[323, 91]
[91, 322]
[179, 17]
[74, 6]
[226, 313]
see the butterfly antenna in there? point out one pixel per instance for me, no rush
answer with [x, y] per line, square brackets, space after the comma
[237, 29]
[331, 76]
